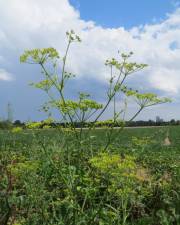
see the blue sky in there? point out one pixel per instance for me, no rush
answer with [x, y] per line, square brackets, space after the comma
[151, 29]
[126, 13]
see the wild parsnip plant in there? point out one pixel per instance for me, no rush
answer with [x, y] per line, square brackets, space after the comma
[86, 109]
[70, 176]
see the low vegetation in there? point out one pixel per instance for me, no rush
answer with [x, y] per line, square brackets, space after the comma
[135, 181]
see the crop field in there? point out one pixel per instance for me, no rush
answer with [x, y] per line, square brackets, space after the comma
[47, 178]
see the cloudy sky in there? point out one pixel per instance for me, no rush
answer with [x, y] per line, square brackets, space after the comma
[151, 29]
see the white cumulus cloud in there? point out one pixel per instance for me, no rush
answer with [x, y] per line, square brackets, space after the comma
[5, 76]
[43, 23]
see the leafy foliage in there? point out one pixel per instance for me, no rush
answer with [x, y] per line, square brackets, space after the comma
[43, 182]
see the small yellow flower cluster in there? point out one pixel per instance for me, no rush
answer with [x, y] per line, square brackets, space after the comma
[17, 130]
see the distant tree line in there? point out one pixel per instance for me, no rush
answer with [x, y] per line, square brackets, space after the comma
[6, 124]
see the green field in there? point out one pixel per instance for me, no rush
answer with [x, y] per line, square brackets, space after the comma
[48, 178]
